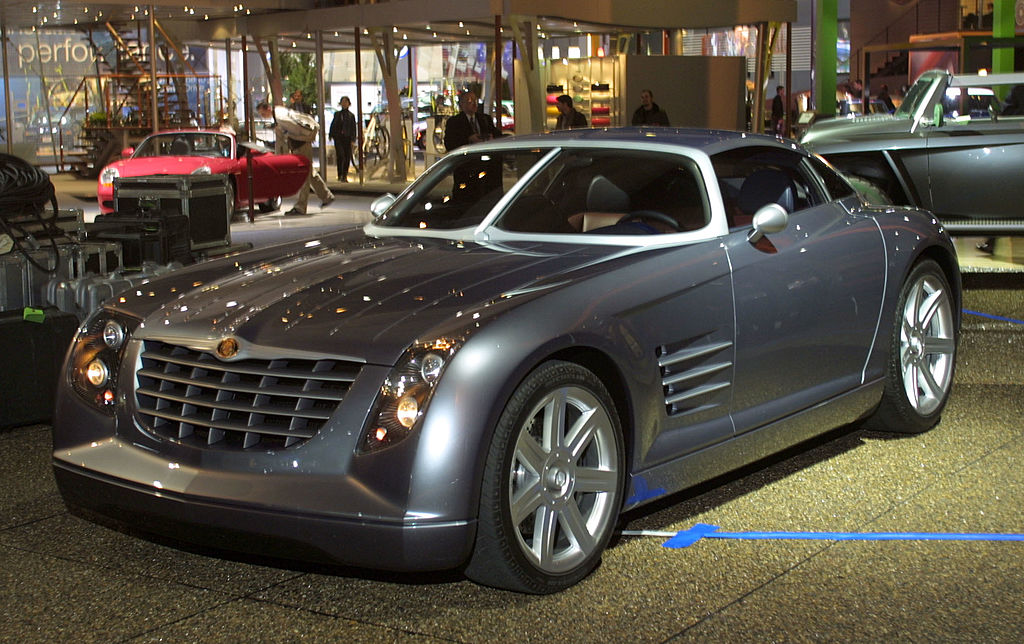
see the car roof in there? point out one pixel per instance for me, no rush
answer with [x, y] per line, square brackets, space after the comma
[190, 131]
[709, 141]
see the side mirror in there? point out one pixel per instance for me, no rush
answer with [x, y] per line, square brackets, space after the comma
[937, 116]
[770, 218]
[127, 152]
[381, 204]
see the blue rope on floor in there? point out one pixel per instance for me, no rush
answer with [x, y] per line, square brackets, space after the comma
[993, 317]
[685, 538]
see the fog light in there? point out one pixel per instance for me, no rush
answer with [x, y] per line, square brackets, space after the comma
[97, 373]
[408, 409]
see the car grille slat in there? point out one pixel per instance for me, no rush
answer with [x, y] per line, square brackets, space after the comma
[194, 398]
[693, 373]
[218, 427]
[240, 388]
[202, 401]
[247, 368]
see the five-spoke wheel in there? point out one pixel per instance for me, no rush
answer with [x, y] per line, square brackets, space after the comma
[919, 375]
[553, 484]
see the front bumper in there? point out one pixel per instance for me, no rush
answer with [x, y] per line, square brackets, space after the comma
[407, 545]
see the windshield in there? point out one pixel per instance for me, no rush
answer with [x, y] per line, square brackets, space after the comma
[198, 144]
[917, 93]
[461, 190]
[584, 190]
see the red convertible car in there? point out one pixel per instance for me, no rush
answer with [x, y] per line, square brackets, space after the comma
[209, 152]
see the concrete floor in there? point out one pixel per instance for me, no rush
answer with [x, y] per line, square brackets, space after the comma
[62, 578]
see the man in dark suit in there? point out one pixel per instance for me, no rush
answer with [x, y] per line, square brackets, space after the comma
[343, 132]
[469, 125]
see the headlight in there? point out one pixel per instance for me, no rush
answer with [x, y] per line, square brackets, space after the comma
[203, 169]
[406, 392]
[96, 358]
[108, 175]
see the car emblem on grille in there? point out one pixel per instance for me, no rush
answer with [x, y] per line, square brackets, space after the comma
[227, 348]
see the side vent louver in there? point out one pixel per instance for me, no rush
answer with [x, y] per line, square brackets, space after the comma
[695, 374]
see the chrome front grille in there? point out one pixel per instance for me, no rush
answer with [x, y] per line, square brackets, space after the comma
[694, 373]
[192, 397]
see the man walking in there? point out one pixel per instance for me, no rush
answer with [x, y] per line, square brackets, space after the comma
[287, 144]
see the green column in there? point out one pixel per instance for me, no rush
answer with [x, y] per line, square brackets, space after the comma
[1002, 27]
[826, 17]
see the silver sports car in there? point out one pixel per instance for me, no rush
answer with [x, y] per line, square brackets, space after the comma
[537, 335]
[955, 146]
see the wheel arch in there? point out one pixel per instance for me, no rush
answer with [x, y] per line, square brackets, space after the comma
[589, 356]
[950, 269]
[602, 365]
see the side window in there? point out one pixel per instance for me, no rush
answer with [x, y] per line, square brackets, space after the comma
[620, 193]
[835, 184]
[751, 178]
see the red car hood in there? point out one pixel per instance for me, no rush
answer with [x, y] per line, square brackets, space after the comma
[171, 165]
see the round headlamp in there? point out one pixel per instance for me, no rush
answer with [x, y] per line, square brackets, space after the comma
[113, 334]
[430, 367]
[108, 175]
[97, 373]
[407, 410]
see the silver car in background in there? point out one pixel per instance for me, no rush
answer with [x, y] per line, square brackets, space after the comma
[955, 146]
[537, 335]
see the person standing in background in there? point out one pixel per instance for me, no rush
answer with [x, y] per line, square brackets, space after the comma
[569, 117]
[298, 104]
[779, 111]
[469, 125]
[649, 113]
[343, 133]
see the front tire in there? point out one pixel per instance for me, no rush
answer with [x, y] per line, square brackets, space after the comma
[552, 485]
[270, 205]
[922, 354]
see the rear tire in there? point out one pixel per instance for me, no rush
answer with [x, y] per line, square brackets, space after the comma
[552, 485]
[922, 354]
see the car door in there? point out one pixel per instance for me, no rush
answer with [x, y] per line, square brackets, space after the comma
[807, 299]
[275, 175]
[974, 167]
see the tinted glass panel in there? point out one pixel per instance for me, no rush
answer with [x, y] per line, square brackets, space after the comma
[837, 186]
[751, 178]
[611, 192]
[461, 191]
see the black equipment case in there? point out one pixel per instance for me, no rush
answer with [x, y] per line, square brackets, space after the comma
[33, 354]
[155, 237]
[203, 198]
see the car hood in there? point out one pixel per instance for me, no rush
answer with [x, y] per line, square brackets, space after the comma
[824, 135]
[356, 297]
[169, 165]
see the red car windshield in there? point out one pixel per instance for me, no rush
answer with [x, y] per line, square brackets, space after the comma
[196, 144]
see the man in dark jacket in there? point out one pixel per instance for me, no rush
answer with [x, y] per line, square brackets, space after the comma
[469, 125]
[343, 132]
[649, 113]
[568, 117]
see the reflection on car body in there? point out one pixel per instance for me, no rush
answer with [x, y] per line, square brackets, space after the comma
[537, 335]
[951, 147]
